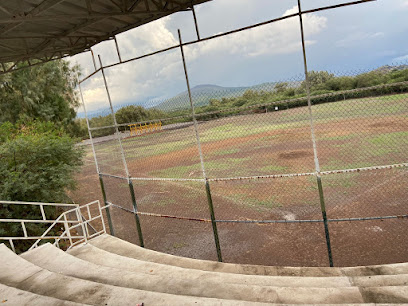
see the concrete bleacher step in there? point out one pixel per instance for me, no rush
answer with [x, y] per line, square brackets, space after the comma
[300, 291]
[13, 296]
[18, 273]
[110, 271]
[120, 247]
[100, 257]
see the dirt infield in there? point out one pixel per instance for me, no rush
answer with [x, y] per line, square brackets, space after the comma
[350, 134]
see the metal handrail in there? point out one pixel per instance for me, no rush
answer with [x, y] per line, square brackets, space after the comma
[80, 221]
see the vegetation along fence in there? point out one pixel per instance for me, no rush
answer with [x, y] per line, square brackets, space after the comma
[311, 171]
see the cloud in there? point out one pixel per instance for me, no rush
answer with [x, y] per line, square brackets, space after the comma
[282, 37]
[357, 38]
[162, 75]
[401, 59]
[147, 38]
[139, 80]
[404, 3]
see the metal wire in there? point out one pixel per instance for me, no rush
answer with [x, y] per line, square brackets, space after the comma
[257, 221]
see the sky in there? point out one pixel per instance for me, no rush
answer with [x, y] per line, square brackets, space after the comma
[344, 41]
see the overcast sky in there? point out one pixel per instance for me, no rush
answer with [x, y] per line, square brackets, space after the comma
[344, 40]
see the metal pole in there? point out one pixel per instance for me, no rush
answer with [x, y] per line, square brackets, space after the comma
[207, 184]
[195, 20]
[108, 215]
[316, 159]
[132, 192]
[139, 228]
[93, 58]
[114, 119]
[117, 48]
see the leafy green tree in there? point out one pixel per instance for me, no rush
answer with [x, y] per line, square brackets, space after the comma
[44, 92]
[37, 164]
[133, 113]
[317, 80]
[281, 87]
[341, 83]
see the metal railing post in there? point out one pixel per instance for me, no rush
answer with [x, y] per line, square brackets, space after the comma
[12, 245]
[67, 230]
[102, 220]
[200, 153]
[83, 226]
[313, 136]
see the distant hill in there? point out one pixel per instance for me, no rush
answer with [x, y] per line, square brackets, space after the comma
[388, 68]
[202, 94]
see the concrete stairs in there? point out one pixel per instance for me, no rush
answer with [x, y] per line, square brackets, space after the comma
[110, 271]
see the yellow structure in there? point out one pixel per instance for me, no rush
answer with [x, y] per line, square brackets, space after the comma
[143, 128]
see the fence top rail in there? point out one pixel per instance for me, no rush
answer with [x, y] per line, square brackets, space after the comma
[37, 203]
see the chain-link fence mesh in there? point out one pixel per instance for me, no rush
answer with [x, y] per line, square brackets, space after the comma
[243, 166]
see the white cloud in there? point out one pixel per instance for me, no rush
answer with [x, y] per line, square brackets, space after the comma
[147, 38]
[282, 37]
[404, 3]
[357, 38]
[160, 75]
[400, 59]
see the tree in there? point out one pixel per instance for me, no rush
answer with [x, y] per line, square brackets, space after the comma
[317, 80]
[44, 92]
[37, 164]
[281, 87]
[133, 113]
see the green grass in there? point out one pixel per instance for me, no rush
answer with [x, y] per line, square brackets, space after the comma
[156, 149]
[363, 107]
[345, 181]
[386, 139]
[232, 164]
[226, 152]
[274, 168]
[241, 130]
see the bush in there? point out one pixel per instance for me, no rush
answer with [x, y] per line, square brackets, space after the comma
[37, 164]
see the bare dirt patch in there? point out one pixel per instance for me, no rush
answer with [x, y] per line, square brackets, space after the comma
[294, 155]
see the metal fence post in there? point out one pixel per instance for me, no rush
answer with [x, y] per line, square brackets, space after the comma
[139, 228]
[108, 215]
[313, 136]
[207, 185]
[132, 192]
[195, 20]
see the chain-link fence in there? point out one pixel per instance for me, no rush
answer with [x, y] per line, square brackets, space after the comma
[308, 171]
